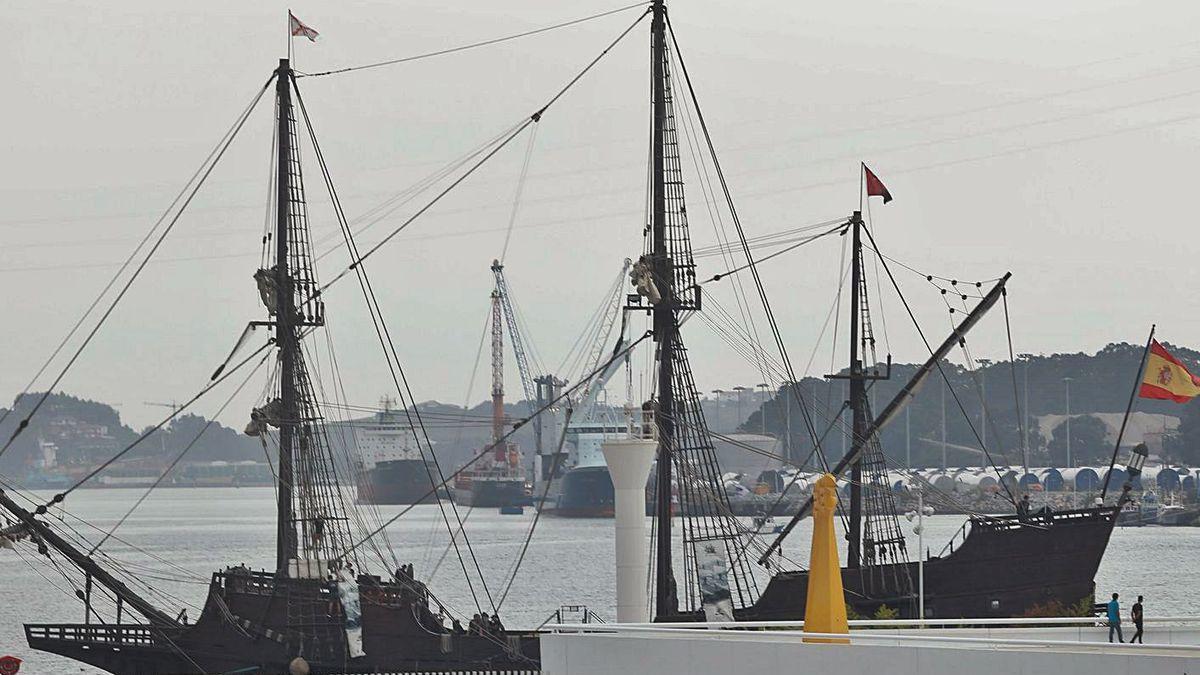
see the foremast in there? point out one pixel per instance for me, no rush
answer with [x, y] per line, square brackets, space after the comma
[312, 525]
[285, 330]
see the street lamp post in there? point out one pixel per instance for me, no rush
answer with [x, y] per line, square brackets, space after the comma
[1027, 413]
[762, 408]
[1067, 380]
[944, 385]
[787, 420]
[738, 422]
[719, 416]
[984, 363]
[919, 515]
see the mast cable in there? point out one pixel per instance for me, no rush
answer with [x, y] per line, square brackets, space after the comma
[941, 371]
[516, 427]
[58, 498]
[474, 45]
[212, 162]
[399, 379]
[180, 456]
[805, 413]
[535, 117]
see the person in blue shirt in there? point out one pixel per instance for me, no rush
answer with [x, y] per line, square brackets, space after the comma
[1114, 619]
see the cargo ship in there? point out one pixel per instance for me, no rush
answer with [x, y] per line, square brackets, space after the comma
[500, 481]
[586, 490]
[391, 469]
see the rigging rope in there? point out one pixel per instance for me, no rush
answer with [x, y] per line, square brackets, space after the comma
[396, 370]
[212, 160]
[532, 119]
[58, 498]
[516, 206]
[474, 45]
[805, 413]
[548, 405]
[537, 515]
[941, 371]
[180, 456]
[1012, 362]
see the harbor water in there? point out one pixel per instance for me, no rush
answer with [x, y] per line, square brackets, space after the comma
[570, 562]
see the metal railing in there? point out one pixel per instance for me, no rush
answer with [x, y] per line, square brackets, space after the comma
[1180, 634]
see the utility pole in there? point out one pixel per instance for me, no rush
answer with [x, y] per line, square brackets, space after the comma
[1027, 414]
[762, 408]
[984, 363]
[1067, 380]
[719, 415]
[944, 385]
[907, 438]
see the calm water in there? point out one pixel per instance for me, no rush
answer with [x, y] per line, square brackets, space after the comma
[569, 562]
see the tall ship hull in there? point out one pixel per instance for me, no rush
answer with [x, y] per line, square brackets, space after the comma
[245, 627]
[402, 481]
[1003, 568]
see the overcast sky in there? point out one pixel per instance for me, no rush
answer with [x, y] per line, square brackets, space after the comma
[1056, 140]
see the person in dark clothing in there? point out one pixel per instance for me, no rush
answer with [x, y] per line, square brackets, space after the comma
[473, 626]
[1023, 507]
[1136, 614]
[456, 626]
[497, 627]
[1114, 619]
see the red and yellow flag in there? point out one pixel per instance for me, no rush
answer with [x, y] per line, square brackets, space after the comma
[1166, 378]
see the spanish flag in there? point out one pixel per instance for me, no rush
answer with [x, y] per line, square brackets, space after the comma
[1166, 378]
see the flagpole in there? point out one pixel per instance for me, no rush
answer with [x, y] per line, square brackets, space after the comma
[862, 178]
[1137, 383]
[289, 35]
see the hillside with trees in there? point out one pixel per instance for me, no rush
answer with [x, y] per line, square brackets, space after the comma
[1099, 383]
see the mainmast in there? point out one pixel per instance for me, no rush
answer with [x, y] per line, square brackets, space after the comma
[666, 600]
[285, 332]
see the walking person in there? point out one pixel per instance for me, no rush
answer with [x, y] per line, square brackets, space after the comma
[1135, 613]
[1114, 619]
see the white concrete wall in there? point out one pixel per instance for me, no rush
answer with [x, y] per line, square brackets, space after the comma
[721, 653]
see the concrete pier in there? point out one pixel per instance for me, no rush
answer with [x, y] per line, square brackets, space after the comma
[1018, 646]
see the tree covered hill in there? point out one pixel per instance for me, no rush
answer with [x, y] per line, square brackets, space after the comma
[1099, 383]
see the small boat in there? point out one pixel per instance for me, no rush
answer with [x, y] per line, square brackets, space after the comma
[512, 510]
[766, 525]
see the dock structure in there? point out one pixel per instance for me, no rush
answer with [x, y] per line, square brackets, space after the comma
[1064, 646]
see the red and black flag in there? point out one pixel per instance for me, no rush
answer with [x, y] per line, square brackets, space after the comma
[875, 187]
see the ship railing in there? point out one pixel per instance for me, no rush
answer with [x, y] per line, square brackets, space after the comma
[104, 634]
[1013, 522]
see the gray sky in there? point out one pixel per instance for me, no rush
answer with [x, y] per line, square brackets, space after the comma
[1055, 140]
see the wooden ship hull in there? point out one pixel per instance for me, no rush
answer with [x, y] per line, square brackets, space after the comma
[248, 614]
[1003, 568]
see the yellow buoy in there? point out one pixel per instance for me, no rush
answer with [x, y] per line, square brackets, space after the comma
[825, 609]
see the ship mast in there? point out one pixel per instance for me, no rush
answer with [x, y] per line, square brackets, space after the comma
[666, 600]
[858, 396]
[285, 334]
